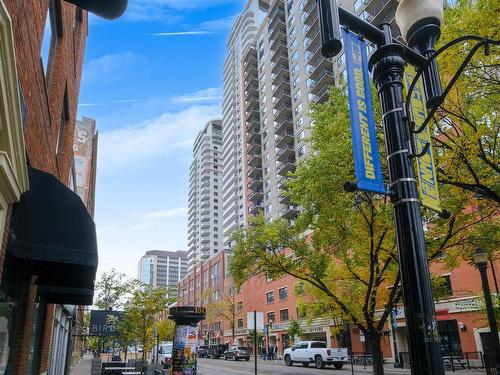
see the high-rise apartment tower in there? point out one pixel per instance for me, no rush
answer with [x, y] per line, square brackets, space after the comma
[205, 195]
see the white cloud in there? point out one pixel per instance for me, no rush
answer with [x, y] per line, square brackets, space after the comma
[111, 67]
[218, 24]
[210, 94]
[182, 33]
[132, 145]
[166, 214]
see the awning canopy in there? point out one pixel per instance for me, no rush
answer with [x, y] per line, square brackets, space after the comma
[109, 9]
[52, 232]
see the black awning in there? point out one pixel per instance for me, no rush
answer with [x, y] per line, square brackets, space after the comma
[109, 9]
[52, 232]
[66, 295]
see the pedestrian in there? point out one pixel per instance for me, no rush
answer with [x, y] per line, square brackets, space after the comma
[263, 353]
[273, 355]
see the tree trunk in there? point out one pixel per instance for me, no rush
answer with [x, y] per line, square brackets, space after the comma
[378, 358]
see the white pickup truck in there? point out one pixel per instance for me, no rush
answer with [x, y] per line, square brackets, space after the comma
[316, 352]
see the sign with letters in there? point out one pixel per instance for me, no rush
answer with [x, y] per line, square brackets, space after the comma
[426, 170]
[364, 138]
[103, 322]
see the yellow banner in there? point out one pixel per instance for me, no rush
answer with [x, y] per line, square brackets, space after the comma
[426, 170]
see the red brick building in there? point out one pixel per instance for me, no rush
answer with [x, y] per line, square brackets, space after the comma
[48, 256]
[462, 322]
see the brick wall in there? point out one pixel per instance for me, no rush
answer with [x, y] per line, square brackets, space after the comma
[46, 100]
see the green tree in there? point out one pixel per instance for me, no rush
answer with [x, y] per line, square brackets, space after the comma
[141, 314]
[165, 329]
[294, 330]
[467, 128]
[221, 305]
[113, 288]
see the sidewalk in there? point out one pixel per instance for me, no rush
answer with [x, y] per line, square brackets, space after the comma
[83, 367]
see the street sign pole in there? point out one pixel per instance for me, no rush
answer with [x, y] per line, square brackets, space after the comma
[255, 339]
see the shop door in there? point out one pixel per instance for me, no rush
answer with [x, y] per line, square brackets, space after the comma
[487, 343]
[449, 337]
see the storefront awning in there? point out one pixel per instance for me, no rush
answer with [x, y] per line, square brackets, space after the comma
[109, 9]
[53, 234]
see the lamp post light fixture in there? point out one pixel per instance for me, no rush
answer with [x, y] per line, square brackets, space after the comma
[481, 258]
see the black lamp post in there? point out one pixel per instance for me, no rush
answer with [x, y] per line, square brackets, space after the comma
[481, 261]
[419, 21]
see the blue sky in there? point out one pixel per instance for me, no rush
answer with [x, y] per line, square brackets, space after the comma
[151, 79]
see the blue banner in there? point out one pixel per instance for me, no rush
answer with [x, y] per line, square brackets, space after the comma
[364, 138]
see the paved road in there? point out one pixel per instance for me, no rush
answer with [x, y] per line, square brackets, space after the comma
[221, 367]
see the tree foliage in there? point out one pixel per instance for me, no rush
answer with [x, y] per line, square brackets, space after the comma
[221, 304]
[113, 288]
[467, 127]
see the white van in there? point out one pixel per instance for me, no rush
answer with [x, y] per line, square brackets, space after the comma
[164, 352]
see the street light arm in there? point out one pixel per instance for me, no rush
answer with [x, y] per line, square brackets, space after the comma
[375, 35]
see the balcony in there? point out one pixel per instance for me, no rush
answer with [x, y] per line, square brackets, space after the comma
[253, 116]
[254, 147]
[319, 67]
[285, 153]
[289, 212]
[252, 125]
[254, 160]
[284, 98]
[313, 30]
[282, 114]
[253, 136]
[283, 198]
[379, 8]
[256, 196]
[251, 83]
[275, 57]
[311, 17]
[277, 66]
[284, 139]
[308, 5]
[277, 10]
[253, 107]
[281, 184]
[255, 184]
[255, 172]
[283, 74]
[314, 42]
[255, 208]
[325, 78]
[250, 71]
[283, 168]
[280, 28]
[283, 126]
[205, 225]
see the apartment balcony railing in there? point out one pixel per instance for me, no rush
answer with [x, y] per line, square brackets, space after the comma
[281, 183]
[277, 66]
[205, 225]
[314, 42]
[277, 10]
[251, 83]
[250, 71]
[282, 126]
[283, 100]
[256, 196]
[326, 78]
[278, 27]
[289, 212]
[254, 172]
[286, 152]
[204, 204]
[282, 74]
[283, 198]
[254, 159]
[252, 124]
[254, 146]
[255, 208]
[283, 114]
[253, 116]
[284, 139]
[309, 18]
[253, 136]
[278, 37]
[307, 5]
[253, 107]
[255, 184]
[275, 57]
[285, 167]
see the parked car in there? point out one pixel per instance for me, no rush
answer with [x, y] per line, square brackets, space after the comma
[236, 353]
[164, 353]
[217, 351]
[316, 352]
[202, 351]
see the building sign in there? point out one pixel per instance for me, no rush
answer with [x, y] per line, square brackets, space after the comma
[103, 322]
[426, 170]
[83, 149]
[364, 138]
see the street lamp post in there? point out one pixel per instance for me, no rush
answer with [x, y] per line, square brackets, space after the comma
[419, 21]
[481, 261]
